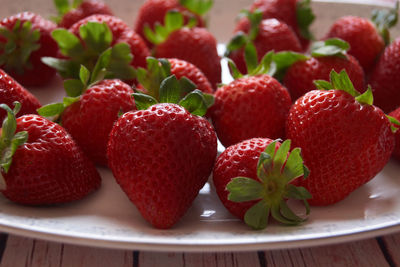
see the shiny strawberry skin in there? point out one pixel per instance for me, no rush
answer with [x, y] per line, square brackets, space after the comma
[50, 168]
[153, 11]
[39, 73]
[299, 78]
[85, 9]
[272, 35]
[385, 79]
[121, 34]
[344, 143]
[239, 160]
[161, 157]
[91, 119]
[283, 10]
[10, 91]
[255, 106]
[197, 46]
[366, 43]
[396, 152]
[182, 68]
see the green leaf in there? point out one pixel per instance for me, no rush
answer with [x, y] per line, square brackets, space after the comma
[67, 101]
[297, 192]
[236, 74]
[266, 66]
[238, 41]
[330, 47]
[243, 189]
[195, 103]
[257, 216]
[84, 75]
[366, 98]
[255, 19]
[173, 21]
[305, 18]
[199, 7]
[283, 60]
[100, 68]
[143, 101]
[170, 91]
[288, 213]
[281, 155]
[265, 162]
[323, 85]
[341, 81]
[69, 44]
[384, 20]
[62, 6]
[250, 57]
[276, 214]
[394, 123]
[119, 65]
[209, 99]
[186, 86]
[9, 124]
[97, 36]
[66, 68]
[73, 87]
[294, 166]
[51, 110]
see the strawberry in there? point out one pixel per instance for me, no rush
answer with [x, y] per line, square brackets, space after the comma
[162, 155]
[254, 179]
[99, 37]
[158, 69]
[297, 14]
[195, 45]
[152, 12]
[385, 79]
[396, 152]
[88, 115]
[255, 105]
[70, 14]
[24, 39]
[266, 35]
[325, 56]
[366, 38]
[11, 91]
[345, 140]
[44, 166]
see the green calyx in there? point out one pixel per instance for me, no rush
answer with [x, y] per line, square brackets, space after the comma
[276, 169]
[10, 140]
[63, 7]
[199, 7]
[305, 18]
[181, 92]
[93, 52]
[385, 19]
[22, 40]
[173, 21]
[241, 39]
[331, 47]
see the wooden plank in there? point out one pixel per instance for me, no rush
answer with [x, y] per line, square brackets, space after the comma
[360, 253]
[242, 259]
[390, 244]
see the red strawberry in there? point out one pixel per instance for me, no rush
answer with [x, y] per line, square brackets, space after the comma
[162, 156]
[11, 91]
[385, 80]
[90, 114]
[152, 12]
[396, 152]
[253, 178]
[68, 15]
[255, 105]
[24, 39]
[46, 165]
[297, 14]
[345, 140]
[300, 76]
[195, 45]
[266, 35]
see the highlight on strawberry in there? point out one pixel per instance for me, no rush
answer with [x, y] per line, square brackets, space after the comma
[41, 163]
[254, 191]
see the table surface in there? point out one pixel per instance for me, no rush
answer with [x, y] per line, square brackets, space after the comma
[18, 251]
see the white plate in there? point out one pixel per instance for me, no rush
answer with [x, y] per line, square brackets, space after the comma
[108, 219]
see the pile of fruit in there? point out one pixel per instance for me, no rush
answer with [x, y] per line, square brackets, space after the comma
[302, 120]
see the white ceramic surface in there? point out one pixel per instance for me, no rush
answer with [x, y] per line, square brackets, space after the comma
[108, 219]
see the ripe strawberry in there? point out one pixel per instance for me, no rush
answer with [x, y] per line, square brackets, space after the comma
[327, 55]
[152, 12]
[385, 79]
[297, 14]
[11, 91]
[24, 39]
[195, 45]
[345, 140]
[70, 14]
[96, 37]
[163, 155]
[266, 35]
[89, 115]
[45, 165]
[254, 178]
[396, 152]
[255, 105]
